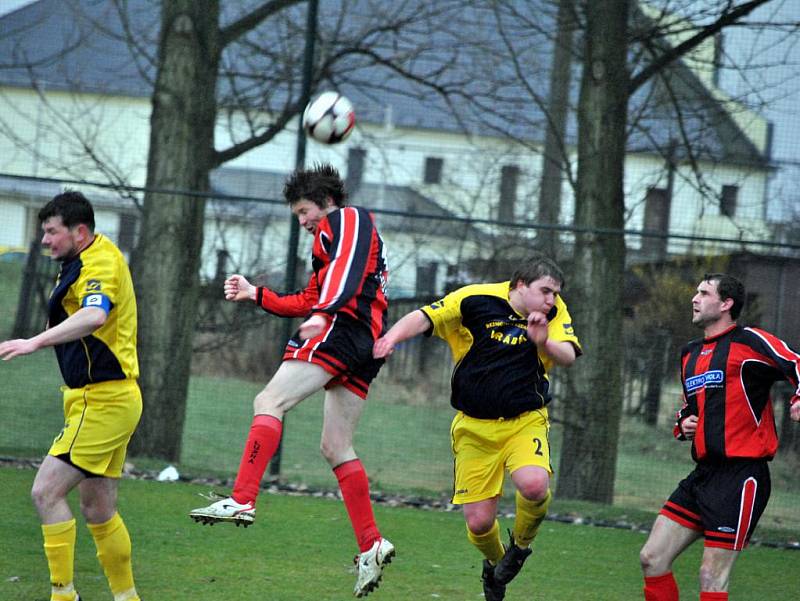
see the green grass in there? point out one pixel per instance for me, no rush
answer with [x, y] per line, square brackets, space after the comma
[403, 441]
[301, 549]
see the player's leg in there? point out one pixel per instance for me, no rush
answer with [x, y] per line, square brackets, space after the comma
[54, 479]
[111, 538]
[734, 497]
[483, 531]
[342, 411]
[478, 483]
[112, 413]
[527, 451]
[293, 382]
[715, 573]
[667, 540]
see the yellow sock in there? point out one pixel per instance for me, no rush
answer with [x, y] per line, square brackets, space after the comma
[530, 515]
[489, 544]
[59, 548]
[114, 553]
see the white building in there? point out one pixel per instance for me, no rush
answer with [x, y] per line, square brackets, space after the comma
[84, 116]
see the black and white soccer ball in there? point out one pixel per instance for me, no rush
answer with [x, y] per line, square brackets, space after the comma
[329, 118]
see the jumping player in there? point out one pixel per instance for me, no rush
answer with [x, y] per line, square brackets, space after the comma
[727, 414]
[92, 325]
[503, 337]
[344, 305]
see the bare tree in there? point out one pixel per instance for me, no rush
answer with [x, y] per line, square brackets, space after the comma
[593, 408]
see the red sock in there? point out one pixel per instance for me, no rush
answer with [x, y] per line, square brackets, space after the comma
[355, 492]
[704, 596]
[660, 588]
[265, 434]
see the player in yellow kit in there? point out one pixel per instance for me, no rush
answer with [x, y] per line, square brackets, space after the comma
[503, 337]
[92, 326]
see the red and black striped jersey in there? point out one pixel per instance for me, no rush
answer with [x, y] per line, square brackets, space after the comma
[349, 273]
[726, 383]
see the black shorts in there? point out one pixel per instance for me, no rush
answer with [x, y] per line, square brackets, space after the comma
[343, 349]
[724, 501]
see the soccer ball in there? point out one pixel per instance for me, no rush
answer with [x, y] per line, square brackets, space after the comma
[329, 118]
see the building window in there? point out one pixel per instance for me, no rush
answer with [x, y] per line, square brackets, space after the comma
[727, 201]
[433, 170]
[356, 160]
[426, 280]
[509, 176]
[656, 219]
[126, 238]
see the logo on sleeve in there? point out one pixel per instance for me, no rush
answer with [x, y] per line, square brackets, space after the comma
[93, 300]
[568, 330]
[93, 286]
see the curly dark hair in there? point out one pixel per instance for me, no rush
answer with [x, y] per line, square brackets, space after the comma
[317, 184]
[73, 208]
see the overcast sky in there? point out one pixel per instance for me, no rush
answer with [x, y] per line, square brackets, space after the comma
[6, 6]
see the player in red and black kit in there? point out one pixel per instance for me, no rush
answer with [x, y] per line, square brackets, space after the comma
[727, 414]
[344, 305]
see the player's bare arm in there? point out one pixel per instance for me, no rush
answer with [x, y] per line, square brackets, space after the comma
[237, 288]
[81, 323]
[410, 325]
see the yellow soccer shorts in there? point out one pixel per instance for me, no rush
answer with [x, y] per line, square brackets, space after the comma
[99, 420]
[484, 448]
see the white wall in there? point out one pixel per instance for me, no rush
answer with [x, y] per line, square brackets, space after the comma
[45, 139]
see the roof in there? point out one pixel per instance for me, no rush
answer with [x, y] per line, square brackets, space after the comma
[80, 45]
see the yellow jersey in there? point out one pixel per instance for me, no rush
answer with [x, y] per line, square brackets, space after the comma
[498, 371]
[97, 277]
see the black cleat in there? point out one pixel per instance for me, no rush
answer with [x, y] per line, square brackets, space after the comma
[511, 563]
[492, 590]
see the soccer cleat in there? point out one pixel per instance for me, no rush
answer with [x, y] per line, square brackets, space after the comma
[492, 590]
[225, 510]
[511, 562]
[369, 566]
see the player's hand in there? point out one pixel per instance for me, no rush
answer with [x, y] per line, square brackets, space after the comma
[794, 411]
[237, 288]
[382, 348]
[313, 326]
[537, 328]
[14, 348]
[689, 427]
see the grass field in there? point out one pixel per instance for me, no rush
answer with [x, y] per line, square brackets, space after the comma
[301, 549]
[405, 446]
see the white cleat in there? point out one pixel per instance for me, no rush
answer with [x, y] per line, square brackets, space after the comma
[225, 510]
[370, 564]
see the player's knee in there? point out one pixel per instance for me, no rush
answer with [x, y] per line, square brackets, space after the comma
[534, 490]
[336, 451]
[647, 559]
[40, 496]
[711, 579]
[480, 524]
[266, 403]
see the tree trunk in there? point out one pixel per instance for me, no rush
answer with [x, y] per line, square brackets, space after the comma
[554, 159]
[168, 256]
[659, 351]
[593, 404]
